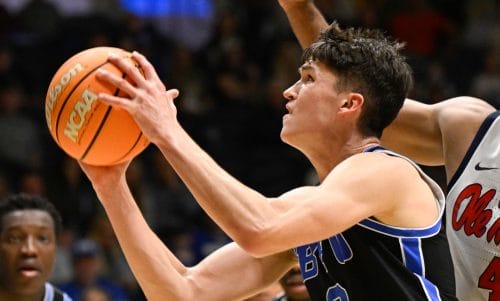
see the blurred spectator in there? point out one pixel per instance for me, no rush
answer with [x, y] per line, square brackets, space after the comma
[20, 138]
[95, 294]
[421, 27]
[293, 286]
[7, 70]
[5, 187]
[207, 237]
[87, 264]
[433, 84]
[63, 267]
[486, 84]
[38, 20]
[482, 24]
[14, 6]
[114, 265]
[182, 245]
[73, 195]
[33, 183]
[172, 206]
[190, 78]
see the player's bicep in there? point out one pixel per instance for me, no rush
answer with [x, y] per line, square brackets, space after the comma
[310, 214]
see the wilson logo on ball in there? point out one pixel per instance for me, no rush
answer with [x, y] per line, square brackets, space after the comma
[55, 91]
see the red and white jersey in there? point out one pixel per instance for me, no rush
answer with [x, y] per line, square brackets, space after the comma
[472, 213]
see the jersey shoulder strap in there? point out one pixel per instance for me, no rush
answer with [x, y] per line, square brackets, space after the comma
[58, 295]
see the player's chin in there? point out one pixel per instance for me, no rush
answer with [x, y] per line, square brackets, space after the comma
[289, 135]
[284, 135]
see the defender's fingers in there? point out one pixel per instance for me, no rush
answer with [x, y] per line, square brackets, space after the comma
[119, 82]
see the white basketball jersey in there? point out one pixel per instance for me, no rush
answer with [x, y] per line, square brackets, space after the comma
[472, 213]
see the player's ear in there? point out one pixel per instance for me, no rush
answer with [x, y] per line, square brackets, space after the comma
[352, 102]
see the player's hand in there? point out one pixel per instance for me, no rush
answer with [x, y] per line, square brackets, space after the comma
[147, 100]
[105, 177]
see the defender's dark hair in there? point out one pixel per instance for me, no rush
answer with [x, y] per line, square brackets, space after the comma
[23, 201]
[367, 62]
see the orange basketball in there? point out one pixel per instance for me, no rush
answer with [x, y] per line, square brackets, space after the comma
[84, 127]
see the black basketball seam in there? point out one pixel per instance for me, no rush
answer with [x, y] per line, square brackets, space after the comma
[132, 148]
[136, 141]
[69, 95]
[103, 120]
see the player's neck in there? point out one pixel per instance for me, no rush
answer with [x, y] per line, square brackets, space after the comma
[324, 163]
[5, 296]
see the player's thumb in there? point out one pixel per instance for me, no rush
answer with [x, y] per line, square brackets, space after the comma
[173, 93]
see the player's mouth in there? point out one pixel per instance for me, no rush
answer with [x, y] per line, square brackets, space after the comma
[29, 271]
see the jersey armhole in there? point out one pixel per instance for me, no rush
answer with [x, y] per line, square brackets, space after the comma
[485, 126]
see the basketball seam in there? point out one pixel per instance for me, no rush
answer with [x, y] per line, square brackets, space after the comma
[131, 149]
[69, 95]
[103, 120]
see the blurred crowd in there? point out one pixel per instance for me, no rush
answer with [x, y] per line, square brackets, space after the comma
[231, 64]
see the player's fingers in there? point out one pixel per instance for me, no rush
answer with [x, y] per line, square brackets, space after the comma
[132, 71]
[148, 69]
[119, 82]
[117, 101]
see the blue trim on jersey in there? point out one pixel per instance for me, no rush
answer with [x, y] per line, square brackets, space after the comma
[430, 289]
[473, 146]
[412, 255]
[373, 148]
[413, 260]
[401, 232]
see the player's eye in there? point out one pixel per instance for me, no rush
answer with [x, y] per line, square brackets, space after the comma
[43, 239]
[307, 78]
[14, 238]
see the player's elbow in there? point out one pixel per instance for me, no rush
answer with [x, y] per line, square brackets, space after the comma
[257, 242]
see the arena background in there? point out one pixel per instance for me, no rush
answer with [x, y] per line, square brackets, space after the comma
[231, 61]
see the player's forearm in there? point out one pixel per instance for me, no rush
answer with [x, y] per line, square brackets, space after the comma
[306, 21]
[239, 210]
[158, 271]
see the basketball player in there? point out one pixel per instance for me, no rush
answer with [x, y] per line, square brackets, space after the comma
[370, 231]
[463, 134]
[28, 228]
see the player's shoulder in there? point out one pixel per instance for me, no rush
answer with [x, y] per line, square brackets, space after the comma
[377, 166]
[378, 158]
[460, 110]
[459, 121]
